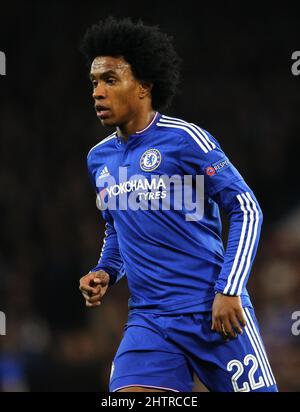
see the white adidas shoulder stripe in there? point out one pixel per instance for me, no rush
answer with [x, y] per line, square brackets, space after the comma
[201, 132]
[197, 131]
[111, 136]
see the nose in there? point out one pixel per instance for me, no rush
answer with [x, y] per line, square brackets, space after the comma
[99, 91]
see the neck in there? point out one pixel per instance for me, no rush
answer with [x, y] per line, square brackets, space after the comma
[136, 124]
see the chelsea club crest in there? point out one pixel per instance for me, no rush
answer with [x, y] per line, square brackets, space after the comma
[150, 160]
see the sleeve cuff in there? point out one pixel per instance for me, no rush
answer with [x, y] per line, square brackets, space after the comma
[219, 289]
[113, 274]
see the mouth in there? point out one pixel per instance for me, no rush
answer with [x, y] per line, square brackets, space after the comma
[102, 111]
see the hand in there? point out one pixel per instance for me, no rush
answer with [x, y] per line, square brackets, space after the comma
[228, 316]
[93, 286]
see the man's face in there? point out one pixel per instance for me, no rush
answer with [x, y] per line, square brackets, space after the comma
[115, 90]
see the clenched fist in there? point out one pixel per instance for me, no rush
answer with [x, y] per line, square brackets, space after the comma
[93, 287]
[228, 316]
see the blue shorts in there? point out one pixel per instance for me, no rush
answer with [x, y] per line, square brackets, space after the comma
[163, 351]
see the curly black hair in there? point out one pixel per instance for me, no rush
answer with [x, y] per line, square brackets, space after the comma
[149, 52]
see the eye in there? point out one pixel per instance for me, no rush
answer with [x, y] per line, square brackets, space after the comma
[110, 80]
[94, 83]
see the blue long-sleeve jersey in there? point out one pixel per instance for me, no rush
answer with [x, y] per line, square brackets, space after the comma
[173, 264]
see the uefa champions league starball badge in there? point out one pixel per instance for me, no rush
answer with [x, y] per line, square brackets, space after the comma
[150, 160]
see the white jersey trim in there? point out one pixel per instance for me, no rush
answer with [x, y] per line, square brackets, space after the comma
[245, 246]
[256, 343]
[200, 132]
[186, 129]
[111, 136]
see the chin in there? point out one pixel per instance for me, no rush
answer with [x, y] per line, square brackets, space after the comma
[108, 122]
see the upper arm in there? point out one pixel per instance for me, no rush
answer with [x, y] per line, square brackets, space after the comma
[213, 163]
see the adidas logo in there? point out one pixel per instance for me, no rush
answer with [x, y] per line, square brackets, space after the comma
[104, 172]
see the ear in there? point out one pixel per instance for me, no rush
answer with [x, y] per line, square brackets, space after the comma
[145, 89]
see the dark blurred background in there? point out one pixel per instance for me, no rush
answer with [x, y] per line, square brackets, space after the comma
[236, 82]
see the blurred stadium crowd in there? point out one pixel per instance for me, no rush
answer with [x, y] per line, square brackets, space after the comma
[236, 83]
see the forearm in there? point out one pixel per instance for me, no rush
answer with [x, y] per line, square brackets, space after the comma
[110, 259]
[245, 225]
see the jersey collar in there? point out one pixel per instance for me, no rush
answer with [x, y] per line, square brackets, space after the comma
[147, 129]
